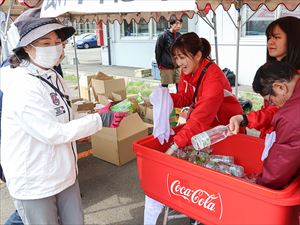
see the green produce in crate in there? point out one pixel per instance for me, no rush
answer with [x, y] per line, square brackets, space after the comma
[127, 105]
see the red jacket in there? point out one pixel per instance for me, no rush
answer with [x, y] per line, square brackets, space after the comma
[215, 103]
[283, 161]
[261, 119]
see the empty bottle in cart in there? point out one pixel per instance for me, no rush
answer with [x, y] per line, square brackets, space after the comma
[210, 137]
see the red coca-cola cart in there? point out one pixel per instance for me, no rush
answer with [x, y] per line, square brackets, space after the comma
[212, 197]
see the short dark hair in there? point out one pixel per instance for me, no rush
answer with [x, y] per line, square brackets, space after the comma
[173, 20]
[291, 27]
[16, 58]
[190, 44]
[270, 72]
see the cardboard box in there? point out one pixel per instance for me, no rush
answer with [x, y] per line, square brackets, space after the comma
[145, 110]
[142, 73]
[116, 97]
[102, 76]
[103, 100]
[114, 145]
[107, 87]
[82, 105]
[150, 128]
[84, 86]
[87, 91]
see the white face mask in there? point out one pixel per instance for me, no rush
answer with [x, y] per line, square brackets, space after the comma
[47, 57]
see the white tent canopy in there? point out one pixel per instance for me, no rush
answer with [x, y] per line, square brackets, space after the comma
[14, 7]
[253, 4]
[111, 10]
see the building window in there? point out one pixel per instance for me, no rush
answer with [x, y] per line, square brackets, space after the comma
[81, 28]
[87, 27]
[163, 24]
[135, 29]
[185, 24]
[257, 25]
[92, 27]
[160, 26]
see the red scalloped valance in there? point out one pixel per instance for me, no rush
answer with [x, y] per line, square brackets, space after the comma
[253, 4]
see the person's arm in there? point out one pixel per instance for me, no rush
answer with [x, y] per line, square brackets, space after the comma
[184, 95]
[159, 48]
[262, 118]
[37, 119]
[282, 163]
[206, 108]
[259, 120]
[41, 126]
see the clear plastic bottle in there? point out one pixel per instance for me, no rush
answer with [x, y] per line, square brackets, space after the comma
[210, 137]
[128, 105]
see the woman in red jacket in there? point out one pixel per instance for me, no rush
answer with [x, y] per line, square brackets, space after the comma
[212, 101]
[283, 45]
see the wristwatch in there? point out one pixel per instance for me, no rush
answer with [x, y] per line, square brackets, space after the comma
[244, 122]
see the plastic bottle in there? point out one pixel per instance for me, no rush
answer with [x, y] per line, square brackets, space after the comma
[210, 137]
[221, 158]
[127, 105]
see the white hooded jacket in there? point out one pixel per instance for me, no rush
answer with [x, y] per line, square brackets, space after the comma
[38, 150]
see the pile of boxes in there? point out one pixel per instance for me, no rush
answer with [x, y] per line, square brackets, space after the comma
[113, 145]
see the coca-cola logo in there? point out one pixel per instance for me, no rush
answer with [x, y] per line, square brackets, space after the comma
[210, 202]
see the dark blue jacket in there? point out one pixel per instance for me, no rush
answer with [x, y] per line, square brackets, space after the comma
[163, 49]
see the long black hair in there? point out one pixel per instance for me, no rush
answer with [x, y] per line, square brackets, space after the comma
[291, 27]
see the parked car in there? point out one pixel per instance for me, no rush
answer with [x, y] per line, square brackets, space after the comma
[78, 37]
[89, 41]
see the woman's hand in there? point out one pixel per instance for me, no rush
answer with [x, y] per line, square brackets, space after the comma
[109, 118]
[234, 123]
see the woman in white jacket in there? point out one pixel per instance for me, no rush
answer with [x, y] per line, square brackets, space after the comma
[38, 150]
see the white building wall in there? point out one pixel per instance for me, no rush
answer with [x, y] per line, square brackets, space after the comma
[252, 51]
[131, 51]
[139, 51]
[137, 54]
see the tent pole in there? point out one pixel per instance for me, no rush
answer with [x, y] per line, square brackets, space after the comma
[214, 20]
[108, 44]
[76, 63]
[4, 50]
[212, 26]
[11, 3]
[237, 51]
